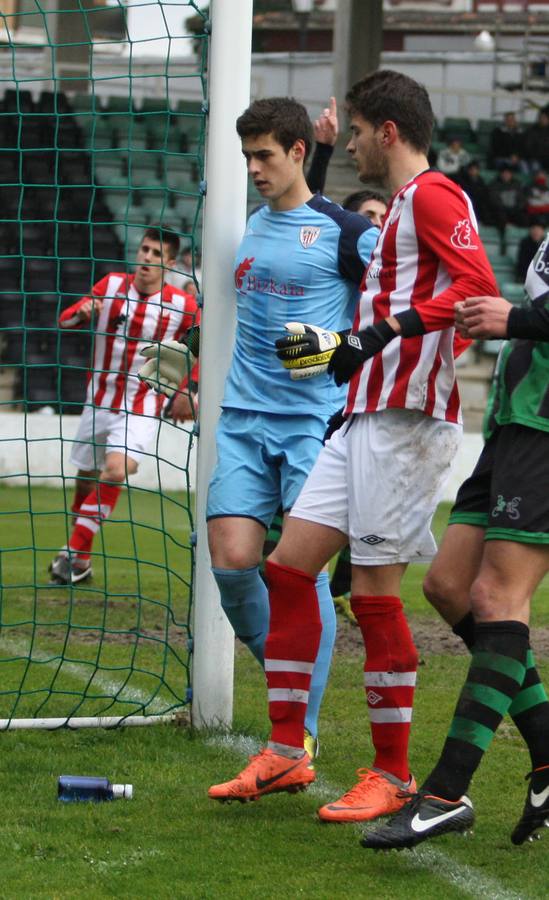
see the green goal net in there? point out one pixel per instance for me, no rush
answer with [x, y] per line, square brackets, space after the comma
[102, 133]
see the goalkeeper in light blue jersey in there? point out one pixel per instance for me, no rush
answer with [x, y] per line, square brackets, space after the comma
[302, 259]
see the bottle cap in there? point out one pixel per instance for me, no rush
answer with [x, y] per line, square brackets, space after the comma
[122, 791]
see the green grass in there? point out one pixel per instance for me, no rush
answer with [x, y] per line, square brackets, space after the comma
[170, 840]
[123, 637]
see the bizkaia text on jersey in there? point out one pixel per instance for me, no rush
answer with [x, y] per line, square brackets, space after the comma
[246, 282]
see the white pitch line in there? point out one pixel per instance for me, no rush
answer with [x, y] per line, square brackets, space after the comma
[76, 671]
[464, 877]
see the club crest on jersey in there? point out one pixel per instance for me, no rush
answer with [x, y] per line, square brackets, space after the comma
[308, 235]
[461, 238]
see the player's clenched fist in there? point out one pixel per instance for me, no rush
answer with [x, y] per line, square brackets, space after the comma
[306, 350]
[168, 364]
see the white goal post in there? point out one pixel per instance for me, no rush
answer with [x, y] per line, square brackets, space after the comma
[229, 72]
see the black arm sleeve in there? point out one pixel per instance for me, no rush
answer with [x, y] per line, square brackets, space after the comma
[529, 322]
[316, 177]
[410, 323]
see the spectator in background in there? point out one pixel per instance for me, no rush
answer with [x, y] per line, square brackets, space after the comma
[371, 204]
[528, 248]
[453, 157]
[472, 182]
[508, 198]
[536, 142]
[537, 198]
[507, 144]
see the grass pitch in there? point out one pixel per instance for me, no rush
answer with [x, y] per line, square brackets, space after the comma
[170, 840]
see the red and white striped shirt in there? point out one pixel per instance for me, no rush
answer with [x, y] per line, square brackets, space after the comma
[128, 321]
[428, 256]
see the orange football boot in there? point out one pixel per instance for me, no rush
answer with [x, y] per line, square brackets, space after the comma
[267, 773]
[376, 794]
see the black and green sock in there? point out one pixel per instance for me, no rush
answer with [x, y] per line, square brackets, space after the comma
[494, 679]
[530, 708]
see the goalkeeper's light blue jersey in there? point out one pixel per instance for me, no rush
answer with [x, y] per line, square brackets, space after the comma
[301, 265]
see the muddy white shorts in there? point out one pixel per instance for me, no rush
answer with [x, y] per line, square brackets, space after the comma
[101, 431]
[379, 480]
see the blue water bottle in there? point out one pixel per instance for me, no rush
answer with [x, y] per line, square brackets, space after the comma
[76, 788]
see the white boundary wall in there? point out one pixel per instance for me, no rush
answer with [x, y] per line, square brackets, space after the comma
[31, 445]
[44, 455]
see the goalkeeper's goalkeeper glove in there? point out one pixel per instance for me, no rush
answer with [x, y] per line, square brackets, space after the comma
[167, 365]
[306, 350]
[355, 349]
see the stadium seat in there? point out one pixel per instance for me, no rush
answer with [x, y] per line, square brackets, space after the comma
[10, 273]
[18, 101]
[36, 238]
[513, 291]
[86, 104]
[75, 277]
[12, 349]
[457, 126]
[484, 131]
[39, 168]
[40, 275]
[116, 104]
[42, 310]
[12, 310]
[53, 102]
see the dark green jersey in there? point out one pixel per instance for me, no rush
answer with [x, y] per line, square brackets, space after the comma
[520, 391]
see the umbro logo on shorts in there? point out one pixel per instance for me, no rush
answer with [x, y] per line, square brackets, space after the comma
[372, 539]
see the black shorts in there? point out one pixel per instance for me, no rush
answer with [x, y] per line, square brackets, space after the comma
[508, 491]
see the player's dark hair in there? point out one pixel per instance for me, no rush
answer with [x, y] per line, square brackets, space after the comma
[355, 200]
[388, 95]
[166, 237]
[283, 117]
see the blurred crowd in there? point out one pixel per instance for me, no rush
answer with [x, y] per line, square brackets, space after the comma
[518, 193]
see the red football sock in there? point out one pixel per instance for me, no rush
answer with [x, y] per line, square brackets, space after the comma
[389, 679]
[96, 507]
[290, 649]
[78, 499]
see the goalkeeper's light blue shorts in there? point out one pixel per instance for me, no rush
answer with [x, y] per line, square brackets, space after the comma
[263, 460]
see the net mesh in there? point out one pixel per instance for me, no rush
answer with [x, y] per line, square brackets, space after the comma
[102, 130]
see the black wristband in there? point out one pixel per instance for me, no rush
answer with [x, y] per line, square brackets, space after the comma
[410, 323]
[385, 331]
[529, 323]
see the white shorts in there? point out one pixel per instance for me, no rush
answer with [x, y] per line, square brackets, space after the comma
[101, 431]
[379, 480]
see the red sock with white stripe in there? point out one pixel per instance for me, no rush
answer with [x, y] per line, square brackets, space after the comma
[77, 501]
[389, 679]
[96, 507]
[290, 650]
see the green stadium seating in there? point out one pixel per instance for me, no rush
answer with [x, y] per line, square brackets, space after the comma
[484, 133]
[513, 291]
[458, 126]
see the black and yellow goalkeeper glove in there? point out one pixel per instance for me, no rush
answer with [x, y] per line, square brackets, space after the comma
[306, 350]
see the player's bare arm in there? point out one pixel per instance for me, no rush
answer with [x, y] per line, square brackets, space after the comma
[483, 317]
[93, 306]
